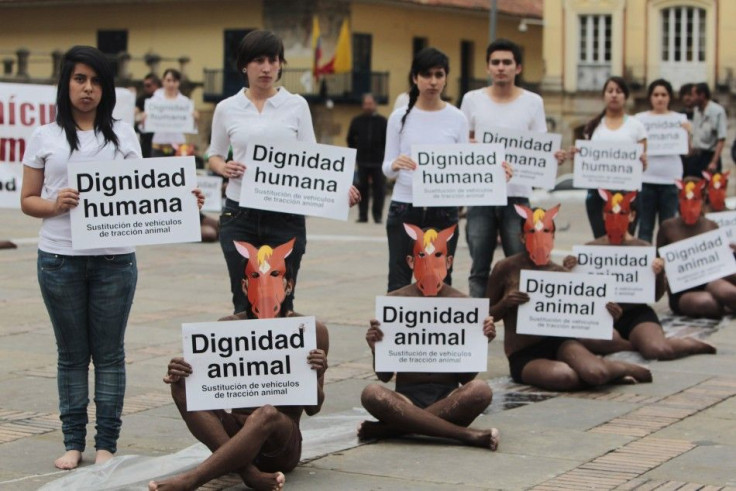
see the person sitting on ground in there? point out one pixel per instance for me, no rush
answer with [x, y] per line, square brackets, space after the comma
[638, 328]
[717, 297]
[262, 443]
[432, 404]
[553, 363]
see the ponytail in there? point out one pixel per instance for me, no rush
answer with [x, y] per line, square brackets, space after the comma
[592, 125]
[413, 96]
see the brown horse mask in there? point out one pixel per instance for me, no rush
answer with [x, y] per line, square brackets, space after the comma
[265, 277]
[430, 259]
[538, 232]
[717, 185]
[617, 214]
[691, 199]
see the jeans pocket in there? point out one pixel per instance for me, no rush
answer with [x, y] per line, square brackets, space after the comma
[398, 209]
[228, 215]
[120, 260]
[50, 262]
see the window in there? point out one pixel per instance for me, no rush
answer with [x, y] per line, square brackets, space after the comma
[683, 34]
[418, 44]
[595, 39]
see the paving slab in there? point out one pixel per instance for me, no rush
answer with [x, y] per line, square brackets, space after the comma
[711, 465]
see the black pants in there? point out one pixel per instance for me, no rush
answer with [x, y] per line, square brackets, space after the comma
[371, 178]
[698, 162]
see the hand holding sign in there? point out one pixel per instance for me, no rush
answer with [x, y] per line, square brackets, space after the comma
[178, 369]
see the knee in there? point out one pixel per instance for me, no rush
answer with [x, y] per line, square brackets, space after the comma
[266, 414]
[479, 394]
[564, 378]
[372, 396]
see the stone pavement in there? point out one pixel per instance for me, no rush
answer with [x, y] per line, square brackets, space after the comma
[676, 433]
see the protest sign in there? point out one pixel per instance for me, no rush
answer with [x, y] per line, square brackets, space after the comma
[665, 134]
[630, 267]
[211, 186]
[531, 154]
[565, 305]
[24, 107]
[250, 363]
[431, 334]
[297, 177]
[134, 202]
[607, 165]
[726, 220]
[458, 175]
[695, 261]
[172, 116]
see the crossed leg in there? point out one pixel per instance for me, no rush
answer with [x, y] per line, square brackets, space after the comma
[446, 418]
[718, 297]
[576, 368]
[233, 447]
[648, 339]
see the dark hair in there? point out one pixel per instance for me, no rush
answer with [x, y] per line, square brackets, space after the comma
[686, 89]
[96, 60]
[660, 82]
[593, 123]
[259, 43]
[504, 45]
[424, 60]
[173, 72]
[153, 78]
[703, 89]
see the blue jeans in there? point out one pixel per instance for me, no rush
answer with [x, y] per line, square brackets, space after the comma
[259, 227]
[655, 199]
[484, 225]
[88, 299]
[401, 245]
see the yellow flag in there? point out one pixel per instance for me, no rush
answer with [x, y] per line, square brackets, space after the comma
[316, 45]
[343, 53]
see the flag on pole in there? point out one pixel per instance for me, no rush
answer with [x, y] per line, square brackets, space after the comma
[343, 55]
[316, 46]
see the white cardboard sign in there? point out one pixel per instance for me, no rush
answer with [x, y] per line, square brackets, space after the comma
[695, 261]
[431, 334]
[630, 268]
[134, 202]
[24, 107]
[565, 305]
[458, 175]
[250, 363]
[531, 154]
[726, 220]
[665, 134]
[296, 177]
[172, 116]
[607, 165]
[211, 186]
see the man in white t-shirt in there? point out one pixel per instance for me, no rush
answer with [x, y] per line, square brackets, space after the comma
[500, 105]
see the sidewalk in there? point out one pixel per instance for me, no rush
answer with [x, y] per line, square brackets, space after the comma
[676, 433]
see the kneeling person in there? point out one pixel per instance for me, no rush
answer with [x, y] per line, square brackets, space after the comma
[432, 404]
[553, 363]
[259, 443]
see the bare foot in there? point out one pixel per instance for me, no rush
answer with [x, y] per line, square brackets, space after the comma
[376, 430]
[636, 374]
[102, 456]
[70, 460]
[266, 481]
[703, 348]
[174, 484]
[486, 439]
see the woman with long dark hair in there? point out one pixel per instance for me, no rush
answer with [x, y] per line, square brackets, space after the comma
[426, 119]
[88, 294]
[658, 195]
[612, 124]
[260, 110]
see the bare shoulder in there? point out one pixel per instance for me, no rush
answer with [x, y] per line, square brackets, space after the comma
[323, 335]
[240, 316]
[448, 291]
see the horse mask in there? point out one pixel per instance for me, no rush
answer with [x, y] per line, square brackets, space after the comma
[430, 257]
[691, 199]
[617, 214]
[264, 272]
[539, 230]
[717, 185]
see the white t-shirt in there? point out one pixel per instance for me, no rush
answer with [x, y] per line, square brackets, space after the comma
[166, 138]
[48, 150]
[632, 130]
[237, 123]
[525, 113]
[662, 169]
[448, 125]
